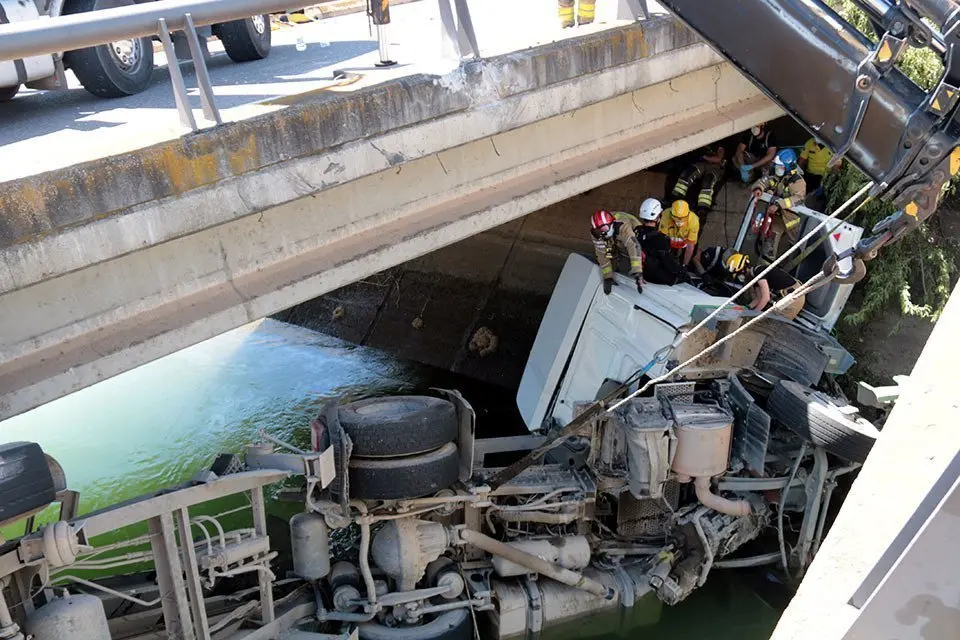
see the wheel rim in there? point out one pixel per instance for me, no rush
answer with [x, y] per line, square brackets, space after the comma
[259, 24]
[126, 53]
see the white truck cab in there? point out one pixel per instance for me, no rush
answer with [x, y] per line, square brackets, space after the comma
[587, 338]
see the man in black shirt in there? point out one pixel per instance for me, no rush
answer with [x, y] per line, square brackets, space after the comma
[659, 265]
[719, 263]
[707, 168]
[756, 150]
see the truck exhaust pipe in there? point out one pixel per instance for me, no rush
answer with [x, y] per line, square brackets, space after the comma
[536, 565]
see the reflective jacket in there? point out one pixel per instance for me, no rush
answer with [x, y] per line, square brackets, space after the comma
[625, 241]
[788, 191]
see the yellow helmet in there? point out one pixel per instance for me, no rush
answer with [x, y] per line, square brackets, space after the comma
[737, 263]
[680, 209]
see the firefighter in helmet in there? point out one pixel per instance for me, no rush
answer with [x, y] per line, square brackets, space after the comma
[788, 189]
[682, 227]
[613, 236]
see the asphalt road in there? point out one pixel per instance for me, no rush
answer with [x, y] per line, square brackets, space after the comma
[43, 131]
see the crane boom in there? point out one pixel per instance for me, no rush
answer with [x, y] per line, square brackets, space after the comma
[848, 93]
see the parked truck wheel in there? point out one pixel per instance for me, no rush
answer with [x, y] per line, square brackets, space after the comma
[246, 40]
[808, 413]
[26, 481]
[399, 425]
[7, 93]
[406, 477]
[114, 70]
[450, 625]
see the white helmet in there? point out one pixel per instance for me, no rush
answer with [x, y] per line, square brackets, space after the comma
[651, 209]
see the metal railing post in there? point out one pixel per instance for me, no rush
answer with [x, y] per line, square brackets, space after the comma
[176, 78]
[207, 99]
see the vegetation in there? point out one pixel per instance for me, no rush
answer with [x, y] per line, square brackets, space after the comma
[918, 271]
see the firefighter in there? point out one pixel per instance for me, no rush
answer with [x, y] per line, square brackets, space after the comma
[709, 171]
[788, 189]
[659, 265]
[585, 12]
[719, 263]
[614, 235]
[774, 286]
[815, 162]
[756, 150]
[682, 228]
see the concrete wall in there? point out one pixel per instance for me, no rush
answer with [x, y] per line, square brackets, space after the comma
[109, 266]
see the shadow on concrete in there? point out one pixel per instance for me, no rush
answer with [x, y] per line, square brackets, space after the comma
[38, 113]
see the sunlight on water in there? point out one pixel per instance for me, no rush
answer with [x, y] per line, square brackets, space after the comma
[158, 424]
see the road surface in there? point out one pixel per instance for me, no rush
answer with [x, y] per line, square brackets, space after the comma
[44, 131]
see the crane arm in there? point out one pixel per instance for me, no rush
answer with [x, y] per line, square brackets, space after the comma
[848, 93]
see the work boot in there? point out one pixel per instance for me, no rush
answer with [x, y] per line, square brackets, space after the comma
[585, 11]
[565, 8]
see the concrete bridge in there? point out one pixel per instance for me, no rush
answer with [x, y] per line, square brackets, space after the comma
[113, 262]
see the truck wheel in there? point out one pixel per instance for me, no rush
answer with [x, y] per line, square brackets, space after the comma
[399, 425]
[26, 483]
[121, 68]
[246, 40]
[7, 93]
[404, 478]
[820, 420]
[450, 625]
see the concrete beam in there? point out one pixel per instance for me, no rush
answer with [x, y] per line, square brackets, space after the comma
[95, 295]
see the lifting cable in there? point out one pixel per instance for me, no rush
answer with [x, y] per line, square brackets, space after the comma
[578, 425]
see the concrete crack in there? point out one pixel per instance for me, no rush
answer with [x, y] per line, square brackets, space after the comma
[633, 99]
[233, 285]
[445, 172]
[494, 143]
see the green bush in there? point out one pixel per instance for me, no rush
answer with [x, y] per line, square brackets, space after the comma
[918, 271]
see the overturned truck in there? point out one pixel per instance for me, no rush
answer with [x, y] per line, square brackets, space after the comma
[442, 534]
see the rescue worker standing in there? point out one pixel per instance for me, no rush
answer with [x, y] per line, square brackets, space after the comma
[613, 234]
[682, 228]
[659, 266]
[756, 150]
[585, 12]
[788, 189]
[815, 163]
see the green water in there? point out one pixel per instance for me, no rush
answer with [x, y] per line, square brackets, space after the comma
[156, 425]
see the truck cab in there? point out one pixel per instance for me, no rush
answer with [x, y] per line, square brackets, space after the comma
[587, 339]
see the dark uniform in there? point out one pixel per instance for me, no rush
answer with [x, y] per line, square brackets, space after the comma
[755, 147]
[659, 265]
[710, 175]
[713, 260]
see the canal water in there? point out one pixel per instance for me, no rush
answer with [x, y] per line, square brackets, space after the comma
[158, 424]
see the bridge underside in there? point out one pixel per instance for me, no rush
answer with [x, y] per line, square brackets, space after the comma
[173, 274]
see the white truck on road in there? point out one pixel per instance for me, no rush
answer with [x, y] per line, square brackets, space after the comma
[119, 68]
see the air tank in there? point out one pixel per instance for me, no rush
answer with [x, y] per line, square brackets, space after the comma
[310, 545]
[77, 617]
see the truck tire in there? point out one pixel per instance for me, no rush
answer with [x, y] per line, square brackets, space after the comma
[114, 70]
[8, 93]
[246, 40]
[450, 625]
[404, 478]
[26, 483]
[399, 425]
[817, 418]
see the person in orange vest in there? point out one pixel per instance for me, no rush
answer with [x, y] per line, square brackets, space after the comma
[585, 10]
[682, 226]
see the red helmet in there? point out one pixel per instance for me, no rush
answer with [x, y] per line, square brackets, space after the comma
[601, 222]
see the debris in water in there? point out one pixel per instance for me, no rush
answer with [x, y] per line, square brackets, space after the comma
[339, 312]
[417, 323]
[484, 342]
